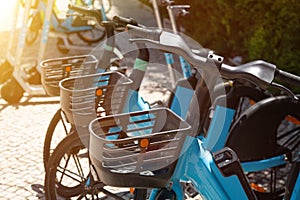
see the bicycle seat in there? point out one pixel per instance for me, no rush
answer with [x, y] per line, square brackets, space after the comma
[254, 135]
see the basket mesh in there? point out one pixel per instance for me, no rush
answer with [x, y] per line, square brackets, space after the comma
[140, 145]
[87, 97]
[55, 70]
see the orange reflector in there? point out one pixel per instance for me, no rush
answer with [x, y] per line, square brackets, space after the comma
[292, 119]
[252, 102]
[131, 190]
[144, 143]
[68, 68]
[257, 187]
[99, 92]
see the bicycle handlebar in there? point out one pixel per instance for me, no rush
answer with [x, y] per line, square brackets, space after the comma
[87, 12]
[258, 72]
[153, 35]
[166, 41]
[180, 7]
[287, 77]
[123, 21]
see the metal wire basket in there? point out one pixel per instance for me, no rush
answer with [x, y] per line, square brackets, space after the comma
[55, 70]
[137, 149]
[87, 97]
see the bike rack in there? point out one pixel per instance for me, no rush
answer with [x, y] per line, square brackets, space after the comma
[64, 37]
[16, 59]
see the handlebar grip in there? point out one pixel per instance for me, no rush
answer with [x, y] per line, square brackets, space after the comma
[87, 12]
[287, 77]
[153, 35]
[123, 21]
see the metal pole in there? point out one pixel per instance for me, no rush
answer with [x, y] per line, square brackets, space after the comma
[13, 29]
[186, 68]
[46, 29]
[23, 31]
[169, 57]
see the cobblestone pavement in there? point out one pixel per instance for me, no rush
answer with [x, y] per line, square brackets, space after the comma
[22, 130]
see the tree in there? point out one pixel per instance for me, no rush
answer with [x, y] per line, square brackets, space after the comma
[256, 29]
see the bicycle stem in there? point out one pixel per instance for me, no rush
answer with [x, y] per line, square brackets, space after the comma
[186, 68]
[169, 57]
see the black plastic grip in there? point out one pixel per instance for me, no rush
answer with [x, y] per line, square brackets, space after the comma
[153, 35]
[123, 21]
[87, 12]
[287, 77]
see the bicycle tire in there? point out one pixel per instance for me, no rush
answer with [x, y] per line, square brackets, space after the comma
[95, 35]
[34, 25]
[11, 91]
[60, 44]
[54, 125]
[60, 162]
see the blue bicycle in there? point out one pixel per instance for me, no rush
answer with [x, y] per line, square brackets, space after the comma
[86, 30]
[167, 155]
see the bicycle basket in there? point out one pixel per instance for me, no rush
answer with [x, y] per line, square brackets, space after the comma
[87, 97]
[55, 70]
[138, 149]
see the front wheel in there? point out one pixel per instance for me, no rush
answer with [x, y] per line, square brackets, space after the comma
[11, 91]
[34, 25]
[61, 46]
[67, 169]
[94, 35]
[58, 128]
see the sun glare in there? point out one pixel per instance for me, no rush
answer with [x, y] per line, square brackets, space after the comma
[6, 13]
[7, 8]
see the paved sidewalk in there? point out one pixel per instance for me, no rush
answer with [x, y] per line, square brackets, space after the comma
[22, 131]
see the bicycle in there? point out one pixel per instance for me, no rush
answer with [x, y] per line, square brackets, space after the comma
[73, 109]
[55, 163]
[85, 30]
[196, 164]
[55, 70]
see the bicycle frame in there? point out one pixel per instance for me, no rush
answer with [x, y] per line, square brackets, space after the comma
[196, 164]
[66, 25]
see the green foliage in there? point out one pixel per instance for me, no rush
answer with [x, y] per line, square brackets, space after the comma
[255, 29]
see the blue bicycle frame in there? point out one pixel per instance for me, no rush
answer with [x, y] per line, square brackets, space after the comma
[64, 26]
[197, 165]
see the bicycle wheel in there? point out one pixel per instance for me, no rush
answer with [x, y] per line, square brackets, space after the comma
[96, 34]
[67, 169]
[11, 91]
[34, 25]
[58, 129]
[61, 46]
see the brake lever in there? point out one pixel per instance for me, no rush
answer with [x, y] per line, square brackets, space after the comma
[142, 40]
[75, 14]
